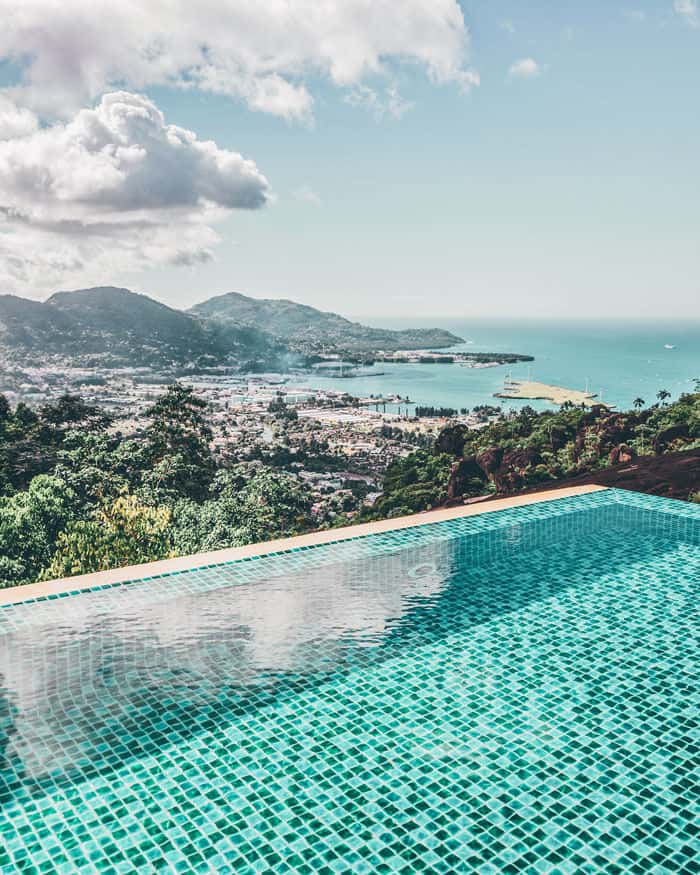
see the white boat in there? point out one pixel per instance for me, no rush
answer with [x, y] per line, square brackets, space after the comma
[669, 346]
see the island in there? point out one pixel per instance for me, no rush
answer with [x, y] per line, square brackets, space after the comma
[534, 391]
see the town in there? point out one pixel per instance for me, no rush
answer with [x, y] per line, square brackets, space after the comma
[338, 445]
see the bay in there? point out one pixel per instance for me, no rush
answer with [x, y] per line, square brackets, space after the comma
[618, 360]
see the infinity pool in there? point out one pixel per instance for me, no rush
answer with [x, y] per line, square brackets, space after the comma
[504, 693]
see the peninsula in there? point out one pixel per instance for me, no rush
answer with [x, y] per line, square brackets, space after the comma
[534, 391]
[465, 359]
[310, 331]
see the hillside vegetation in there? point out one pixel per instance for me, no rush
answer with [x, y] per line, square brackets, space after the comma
[530, 449]
[76, 496]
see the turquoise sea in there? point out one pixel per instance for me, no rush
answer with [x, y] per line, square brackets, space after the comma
[618, 360]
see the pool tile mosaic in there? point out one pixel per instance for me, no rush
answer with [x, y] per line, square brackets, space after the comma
[514, 692]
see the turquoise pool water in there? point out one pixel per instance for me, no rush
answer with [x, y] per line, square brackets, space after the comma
[513, 692]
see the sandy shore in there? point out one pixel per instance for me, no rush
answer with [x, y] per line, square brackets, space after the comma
[530, 390]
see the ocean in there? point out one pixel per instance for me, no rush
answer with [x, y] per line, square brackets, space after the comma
[618, 360]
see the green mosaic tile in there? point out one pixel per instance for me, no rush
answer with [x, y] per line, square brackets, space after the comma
[513, 692]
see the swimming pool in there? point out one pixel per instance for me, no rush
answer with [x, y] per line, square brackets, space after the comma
[508, 692]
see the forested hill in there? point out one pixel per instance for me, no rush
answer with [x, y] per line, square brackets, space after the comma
[312, 330]
[115, 327]
[76, 495]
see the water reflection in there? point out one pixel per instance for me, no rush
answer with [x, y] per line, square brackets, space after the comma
[90, 682]
[93, 670]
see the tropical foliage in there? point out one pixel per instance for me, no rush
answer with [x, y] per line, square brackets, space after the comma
[528, 448]
[123, 532]
[77, 496]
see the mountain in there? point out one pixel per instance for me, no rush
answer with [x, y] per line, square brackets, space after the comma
[114, 327]
[30, 324]
[310, 330]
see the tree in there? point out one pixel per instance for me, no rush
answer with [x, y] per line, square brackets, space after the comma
[22, 459]
[5, 415]
[280, 409]
[30, 441]
[71, 411]
[638, 403]
[662, 395]
[30, 522]
[251, 503]
[89, 464]
[123, 532]
[451, 440]
[178, 443]
[415, 483]
[24, 418]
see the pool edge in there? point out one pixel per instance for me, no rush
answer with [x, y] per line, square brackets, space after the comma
[128, 573]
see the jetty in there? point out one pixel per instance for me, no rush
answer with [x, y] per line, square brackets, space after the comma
[531, 390]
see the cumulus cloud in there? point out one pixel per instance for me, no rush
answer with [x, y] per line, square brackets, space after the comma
[88, 193]
[15, 121]
[688, 11]
[115, 188]
[262, 52]
[121, 156]
[526, 68]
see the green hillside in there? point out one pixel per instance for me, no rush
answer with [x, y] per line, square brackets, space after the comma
[311, 330]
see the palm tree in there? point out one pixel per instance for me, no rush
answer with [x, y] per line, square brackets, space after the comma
[644, 431]
[639, 403]
[662, 395]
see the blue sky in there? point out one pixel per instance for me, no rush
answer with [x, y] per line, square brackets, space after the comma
[571, 191]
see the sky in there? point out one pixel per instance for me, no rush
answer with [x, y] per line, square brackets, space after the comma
[425, 159]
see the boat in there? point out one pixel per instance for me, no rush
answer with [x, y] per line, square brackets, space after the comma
[669, 346]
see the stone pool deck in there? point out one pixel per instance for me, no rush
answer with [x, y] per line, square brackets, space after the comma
[30, 591]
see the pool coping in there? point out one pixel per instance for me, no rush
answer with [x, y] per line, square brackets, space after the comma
[128, 573]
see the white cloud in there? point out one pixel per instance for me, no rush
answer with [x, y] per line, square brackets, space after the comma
[115, 188]
[688, 10]
[526, 68]
[635, 14]
[121, 156]
[507, 25]
[15, 121]
[389, 102]
[262, 52]
[90, 193]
